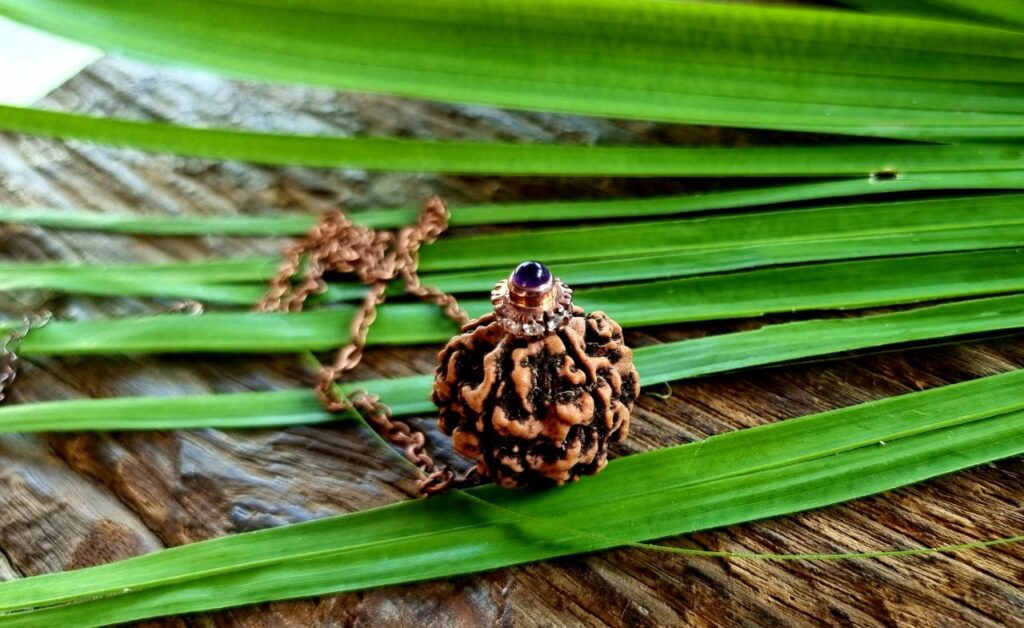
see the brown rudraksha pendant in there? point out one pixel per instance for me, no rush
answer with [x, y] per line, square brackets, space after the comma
[536, 390]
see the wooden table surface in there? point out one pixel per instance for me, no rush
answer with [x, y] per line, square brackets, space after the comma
[72, 500]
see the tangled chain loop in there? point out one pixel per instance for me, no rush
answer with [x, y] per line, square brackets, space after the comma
[336, 244]
[434, 479]
[9, 349]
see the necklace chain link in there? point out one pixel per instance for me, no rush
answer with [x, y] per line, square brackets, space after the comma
[336, 244]
[9, 345]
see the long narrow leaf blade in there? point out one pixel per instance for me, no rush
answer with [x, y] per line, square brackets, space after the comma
[737, 65]
[844, 285]
[796, 227]
[998, 13]
[210, 286]
[511, 213]
[686, 359]
[656, 250]
[741, 476]
[511, 159]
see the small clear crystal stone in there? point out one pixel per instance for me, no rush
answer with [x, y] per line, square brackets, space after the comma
[532, 329]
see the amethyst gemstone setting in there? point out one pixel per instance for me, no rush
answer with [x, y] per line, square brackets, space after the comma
[531, 276]
[532, 301]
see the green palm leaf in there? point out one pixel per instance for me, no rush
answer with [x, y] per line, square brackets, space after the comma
[741, 476]
[837, 285]
[655, 250]
[812, 69]
[512, 213]
[793, 69]
[208, 283]
[686, 359]
[794, 228]
[514, 159]
[1001, 13]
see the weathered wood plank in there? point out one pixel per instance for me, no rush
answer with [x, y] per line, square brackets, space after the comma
[73, 500]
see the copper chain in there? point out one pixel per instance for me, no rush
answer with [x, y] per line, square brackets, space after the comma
[336, 244]
[9, 349]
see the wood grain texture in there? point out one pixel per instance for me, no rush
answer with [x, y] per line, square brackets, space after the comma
[80, 499]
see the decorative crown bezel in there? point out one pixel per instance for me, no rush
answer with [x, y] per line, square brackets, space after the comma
[525, 314]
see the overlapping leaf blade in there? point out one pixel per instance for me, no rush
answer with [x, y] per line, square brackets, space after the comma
[698, 357]
[515, 159]
[586, 256]
[998, 13]
[512, 213]
[850, 284]
[811, 69]
[741, 476]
